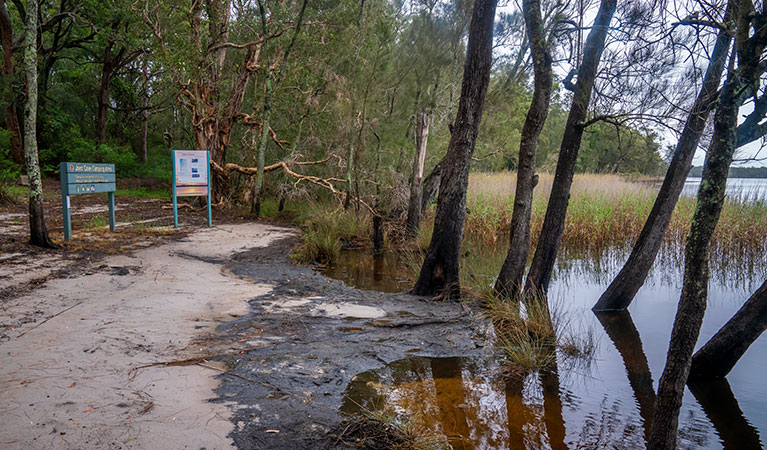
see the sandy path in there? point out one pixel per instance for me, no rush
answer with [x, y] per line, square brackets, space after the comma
[67, 383]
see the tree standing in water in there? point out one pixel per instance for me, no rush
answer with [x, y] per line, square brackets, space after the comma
[510, 278]
[439, 273]
[553, 223]
[750, 32]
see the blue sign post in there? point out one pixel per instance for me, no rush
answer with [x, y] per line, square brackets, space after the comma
[191, 178]
[86, 178]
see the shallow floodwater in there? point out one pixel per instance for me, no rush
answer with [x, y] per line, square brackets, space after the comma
[605, 404]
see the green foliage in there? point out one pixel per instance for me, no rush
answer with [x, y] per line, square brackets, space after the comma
[9, 171]
[324, 233]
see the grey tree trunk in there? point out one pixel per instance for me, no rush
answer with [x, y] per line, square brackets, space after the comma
[439, 273]
[720, 354]
[692, 304]
[38, 233]
[510, 278]
[553, 223]
[416, 181]
[632, 276]
[431, 186]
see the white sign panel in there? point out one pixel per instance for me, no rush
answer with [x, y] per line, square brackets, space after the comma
[191, 167]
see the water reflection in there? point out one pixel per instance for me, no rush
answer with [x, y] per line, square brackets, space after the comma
[364, 270]
[471, 404]
[622, 332]
[468, 402]
[722, 409]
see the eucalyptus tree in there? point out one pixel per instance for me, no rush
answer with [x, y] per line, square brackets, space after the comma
[550, 237]
[191, 39]
[749, 28]
[439, 273]
[624, 287]
[510, 277]
[10, 82]
[119, 42]
[430, 51]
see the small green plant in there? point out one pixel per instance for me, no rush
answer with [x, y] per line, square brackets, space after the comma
[97, 221]
[385, 429]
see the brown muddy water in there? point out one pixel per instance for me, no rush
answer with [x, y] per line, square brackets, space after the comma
[606, 403]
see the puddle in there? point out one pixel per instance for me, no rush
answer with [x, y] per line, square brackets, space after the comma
[463, 402]
[363, 270]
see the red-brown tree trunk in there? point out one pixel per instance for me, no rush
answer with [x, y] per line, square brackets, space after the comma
[9, 72]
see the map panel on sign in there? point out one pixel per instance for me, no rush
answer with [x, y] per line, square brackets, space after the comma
[191, 167]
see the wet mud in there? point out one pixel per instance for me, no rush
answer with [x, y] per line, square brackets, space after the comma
[312, 336]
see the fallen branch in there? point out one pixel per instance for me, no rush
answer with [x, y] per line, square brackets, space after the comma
[192, 361]
[48, 318]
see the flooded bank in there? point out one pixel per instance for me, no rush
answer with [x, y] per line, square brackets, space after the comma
[470, 403]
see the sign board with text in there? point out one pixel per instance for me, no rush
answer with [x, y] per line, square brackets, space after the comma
[191, 178]
[86, 178]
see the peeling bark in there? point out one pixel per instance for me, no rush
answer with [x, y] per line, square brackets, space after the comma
[416, 181]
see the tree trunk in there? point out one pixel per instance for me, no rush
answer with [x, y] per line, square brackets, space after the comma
[262, 145]
[439, 273]
[554, 222]
[143, 150]
[416, 181]
[510, 278]
[103, 100]
[9, 72]
[431, 186]
[720, 354]
[38, 233]
[692, 304]
[632, 276]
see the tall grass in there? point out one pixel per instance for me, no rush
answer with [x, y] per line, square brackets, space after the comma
[607, 212]
[325, 230]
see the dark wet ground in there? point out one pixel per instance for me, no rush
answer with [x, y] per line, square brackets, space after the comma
[313, 338]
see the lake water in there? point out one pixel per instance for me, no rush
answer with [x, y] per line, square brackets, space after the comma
[604, 404]
[744, 188]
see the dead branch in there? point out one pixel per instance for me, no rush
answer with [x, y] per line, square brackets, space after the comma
[194, 360]
[48, 318]
[326, 183]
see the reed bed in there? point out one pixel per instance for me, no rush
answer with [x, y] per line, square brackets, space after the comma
[607, 212]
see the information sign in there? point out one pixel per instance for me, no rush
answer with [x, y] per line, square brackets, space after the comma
[86, 178]
[191, 178]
